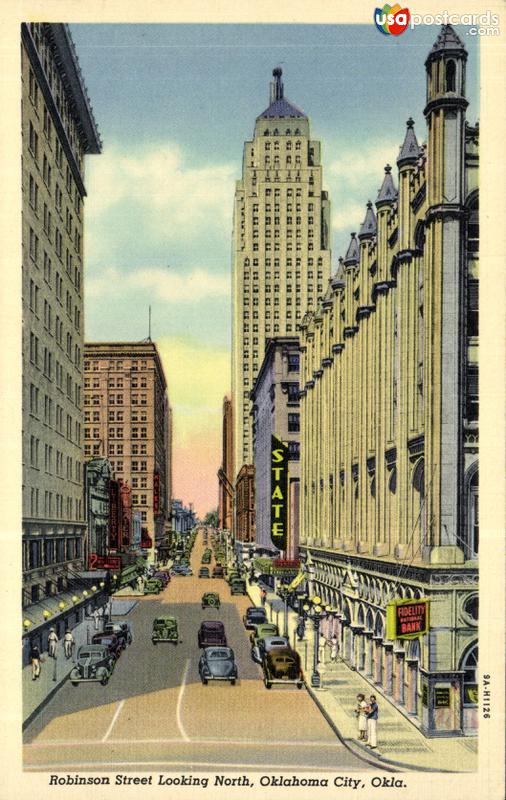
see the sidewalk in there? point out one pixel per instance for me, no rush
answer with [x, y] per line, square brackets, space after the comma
[400, 743]
[54, 672]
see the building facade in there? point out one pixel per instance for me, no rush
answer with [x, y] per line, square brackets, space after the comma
[58, 131]
[127, 419]
[98, 479]
[275, 410]
[244, 509]
[183, 517]
[389, 512]
[226, 471]
[281, 252]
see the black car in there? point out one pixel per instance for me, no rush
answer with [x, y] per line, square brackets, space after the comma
[122, 630]
[218, 664]
[254, 616]
[212, 632]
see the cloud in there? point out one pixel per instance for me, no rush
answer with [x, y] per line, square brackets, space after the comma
[164, 284]
[349, 217]
[361, 166]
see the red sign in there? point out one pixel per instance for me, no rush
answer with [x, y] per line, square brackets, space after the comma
[103, 562]
[156, 493]
[291, 563]
[146, 541]
[113, 514]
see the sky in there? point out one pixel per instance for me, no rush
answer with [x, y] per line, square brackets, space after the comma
[174, 105]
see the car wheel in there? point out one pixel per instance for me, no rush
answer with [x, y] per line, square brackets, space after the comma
[204, 681]
[300, 685]
[105, 680]
[268, 684]
[232, 682]
[75, 683]
[154, 641]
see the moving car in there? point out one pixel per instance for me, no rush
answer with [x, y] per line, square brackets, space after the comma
[218, 571]
[263, 630]
[165, 630]
[163, 577]
[212, 632]
[121, 629]
[211, 599]
[111, 641]
[217, 664]
[262, 647]
[282, 666]
[93, 663]
[254, 615]
[204, 572]
[153, 586]
[237, 586]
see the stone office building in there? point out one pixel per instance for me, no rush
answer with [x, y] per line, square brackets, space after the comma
[275, 410]
[389, 511]
[281, 254]
[226, 471]
[58, 132]
[127, 420]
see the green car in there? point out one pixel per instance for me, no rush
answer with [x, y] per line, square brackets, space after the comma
[211, 600]
[263, 630]
[165, 630]
[238, 586]
[153, 586]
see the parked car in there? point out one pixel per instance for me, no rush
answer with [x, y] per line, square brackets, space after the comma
[164, 577]
[94, 662]
[262, 630]
[238, 586]
[204, 572]
[282, 666]
[212, 632]
[254, 615]
[217, 664]
[153, 586]
[262, 647]
[218, 571]
[122, 630]
[211, 599]
[165, 629]
[111, 641]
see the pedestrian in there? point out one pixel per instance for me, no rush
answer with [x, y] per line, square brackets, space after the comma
[263, 596]
[52, 643]
[68, 643]
[361, 714]
[372, 722]
[35, 659]
[96, 618]
[301, 628]
[334, 649]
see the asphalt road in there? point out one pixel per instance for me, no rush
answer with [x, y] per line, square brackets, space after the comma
[155, 712]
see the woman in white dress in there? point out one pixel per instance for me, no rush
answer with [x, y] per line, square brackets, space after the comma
[361, 712]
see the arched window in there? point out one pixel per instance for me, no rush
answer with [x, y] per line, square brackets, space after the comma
[392, 483]
[469, 665]
[418, 483]
[473, 519]
[450, 76]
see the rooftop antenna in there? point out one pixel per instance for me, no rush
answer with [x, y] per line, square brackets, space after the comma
[149, 325]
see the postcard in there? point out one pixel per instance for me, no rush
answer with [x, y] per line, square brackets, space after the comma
[250, 361]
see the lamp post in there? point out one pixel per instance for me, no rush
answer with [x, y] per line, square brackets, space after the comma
[284, 593]
[315, 611]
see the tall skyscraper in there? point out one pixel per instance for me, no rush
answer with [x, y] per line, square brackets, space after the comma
[281, 246]
[58, 130]
[128, 421]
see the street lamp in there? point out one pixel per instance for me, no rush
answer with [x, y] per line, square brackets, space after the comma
[284, 593]
[315, 611]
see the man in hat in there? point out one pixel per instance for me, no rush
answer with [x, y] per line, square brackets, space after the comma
[52, 643]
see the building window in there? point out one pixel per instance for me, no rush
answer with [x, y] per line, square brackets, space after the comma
[293, 362]
[293, 423]
[469, 666]
[294, 451]
[473, 520]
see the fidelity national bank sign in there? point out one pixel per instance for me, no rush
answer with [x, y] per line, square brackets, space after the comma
[279, 493]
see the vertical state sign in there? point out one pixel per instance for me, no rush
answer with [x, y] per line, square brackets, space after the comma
[279, 493]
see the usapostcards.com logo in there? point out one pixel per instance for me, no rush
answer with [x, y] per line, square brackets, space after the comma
[391, 20]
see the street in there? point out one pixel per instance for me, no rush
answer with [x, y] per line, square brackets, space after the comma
[155, 712]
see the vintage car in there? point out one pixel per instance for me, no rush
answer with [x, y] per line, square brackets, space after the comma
[211, 600]
[113, 643]
[238, 586]
[282, 666]
[254, 615]
[267, 644]
[122, 630]
[262, 630]
[164, 577]
[153, 586]
[218, 571]
[204, 572]
[165, 630]
[217, 664]
[212, 633]
[94, 662]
